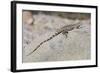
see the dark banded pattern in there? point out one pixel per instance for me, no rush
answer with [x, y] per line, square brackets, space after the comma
[44, 42]
[63, 30]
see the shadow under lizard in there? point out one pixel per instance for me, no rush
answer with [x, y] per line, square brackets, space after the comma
[62, 30]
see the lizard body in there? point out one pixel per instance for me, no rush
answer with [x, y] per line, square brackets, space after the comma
[62, 30]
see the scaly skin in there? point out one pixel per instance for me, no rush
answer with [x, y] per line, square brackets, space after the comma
[63, 30]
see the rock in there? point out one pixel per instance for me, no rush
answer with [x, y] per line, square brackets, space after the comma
[75, 47]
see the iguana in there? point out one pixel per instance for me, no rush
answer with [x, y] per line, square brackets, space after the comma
[62, 30]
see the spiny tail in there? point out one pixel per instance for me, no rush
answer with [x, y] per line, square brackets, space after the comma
[44, 42]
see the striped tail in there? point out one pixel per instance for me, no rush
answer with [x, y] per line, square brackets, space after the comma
[44, 42]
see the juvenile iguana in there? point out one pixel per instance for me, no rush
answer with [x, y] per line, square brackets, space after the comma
[62, 30]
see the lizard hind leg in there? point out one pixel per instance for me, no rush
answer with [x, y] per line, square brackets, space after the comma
[65, 34]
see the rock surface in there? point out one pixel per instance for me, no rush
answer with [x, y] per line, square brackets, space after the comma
[76, 46]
